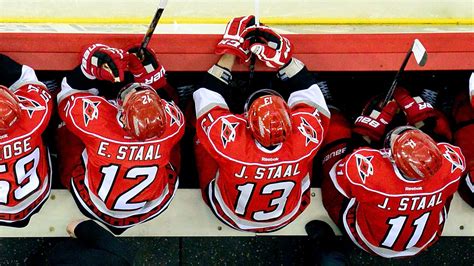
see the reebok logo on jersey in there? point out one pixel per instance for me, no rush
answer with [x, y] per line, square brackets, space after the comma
[90, 110]
[413, 188]
[308, 131]
[29, 105]
[228, 132]
[364, 166]
[265, 159]
[454, 159]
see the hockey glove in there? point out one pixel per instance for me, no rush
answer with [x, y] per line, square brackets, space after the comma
[415, 108]
[232, 41]
[270, 47]
[148, 71]
[102, 62]
[373, 126]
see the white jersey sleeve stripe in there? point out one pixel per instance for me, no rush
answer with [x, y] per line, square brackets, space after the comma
[471, 84]
[311, 96]
[28, 75]
[332, 174]
[67, 90]
[205, 100]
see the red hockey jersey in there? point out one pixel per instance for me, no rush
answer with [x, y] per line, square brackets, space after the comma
[257, 189]
[25, 166]
[126, 181]
[389, 215]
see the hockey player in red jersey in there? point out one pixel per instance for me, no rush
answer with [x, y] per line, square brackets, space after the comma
[254, 168]
[25, 165]
[463, 115]
[120, 171]
[392, 201]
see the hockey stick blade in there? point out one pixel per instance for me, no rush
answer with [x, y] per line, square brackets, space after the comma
[419, 51]
[151, 28]
[162, 4]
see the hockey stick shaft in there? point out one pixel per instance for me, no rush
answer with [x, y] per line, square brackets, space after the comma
[421, 56]
[151, 28]
[253, 58]
[397, 78]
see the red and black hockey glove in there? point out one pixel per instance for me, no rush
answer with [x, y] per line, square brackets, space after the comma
[102, 62]
[415, 108]
[148, 70]
[232, 41]
[373, 126]
[269, 47]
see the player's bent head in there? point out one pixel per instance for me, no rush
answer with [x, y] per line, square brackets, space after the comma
[141, 111]
[268, 117]
[414, 153]
[9, 109]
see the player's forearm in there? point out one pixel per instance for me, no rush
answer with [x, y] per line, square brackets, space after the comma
[303, 87]
[218, 76]
[227, 61]
[12, 72]
[296, 75]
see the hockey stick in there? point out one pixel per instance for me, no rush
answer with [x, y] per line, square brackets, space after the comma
[421, 56]
[253, 58]
[151, 28]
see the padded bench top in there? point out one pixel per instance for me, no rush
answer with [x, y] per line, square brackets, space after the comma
[188, 215]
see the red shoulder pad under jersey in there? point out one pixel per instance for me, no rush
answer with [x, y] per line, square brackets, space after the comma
[36, 107]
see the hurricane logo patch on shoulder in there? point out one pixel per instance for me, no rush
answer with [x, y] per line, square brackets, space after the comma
[308, 131]
[228, 132]
[364, 166]
[174, 114]
[454, 158]
[30, 105]
[90, 110]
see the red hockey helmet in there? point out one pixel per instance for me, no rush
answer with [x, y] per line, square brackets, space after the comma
[268, 117]
[142, 111]
[9, 109]
[415, 153]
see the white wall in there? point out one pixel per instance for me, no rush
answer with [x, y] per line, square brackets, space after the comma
[195, 11]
